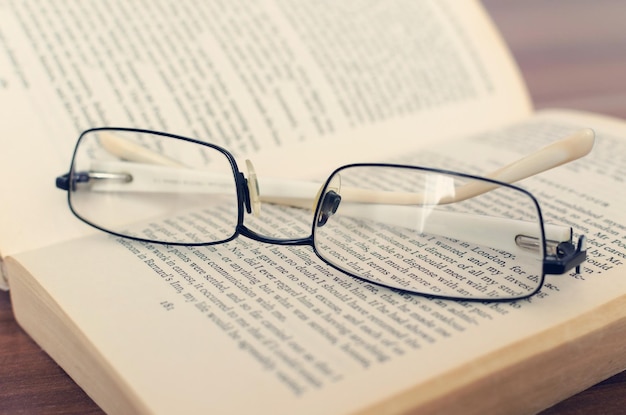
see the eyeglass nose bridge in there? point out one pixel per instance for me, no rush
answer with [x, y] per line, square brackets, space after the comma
[328, 207]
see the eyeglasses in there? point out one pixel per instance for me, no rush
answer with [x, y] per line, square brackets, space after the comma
[420, 230]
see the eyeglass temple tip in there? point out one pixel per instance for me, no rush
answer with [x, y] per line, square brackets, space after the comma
[128, 150]
[565, 150]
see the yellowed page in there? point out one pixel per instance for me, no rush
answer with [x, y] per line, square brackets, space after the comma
[192, 328]
[295, 81]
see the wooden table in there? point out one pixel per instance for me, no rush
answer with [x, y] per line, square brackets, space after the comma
[572, 54]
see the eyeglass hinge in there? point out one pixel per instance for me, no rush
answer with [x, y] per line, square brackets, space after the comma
[63, 182]
[566, 257]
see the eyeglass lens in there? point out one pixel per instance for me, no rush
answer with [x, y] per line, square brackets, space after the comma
[406, 228]
[149, 186]
[403, 227]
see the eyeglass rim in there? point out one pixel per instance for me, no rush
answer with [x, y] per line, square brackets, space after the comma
[543, 258]
[241, 189]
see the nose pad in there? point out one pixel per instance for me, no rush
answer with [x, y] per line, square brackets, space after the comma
[253, 189]
[329, 206]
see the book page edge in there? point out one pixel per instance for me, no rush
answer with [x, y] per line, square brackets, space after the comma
[528, 376]
[53, 330]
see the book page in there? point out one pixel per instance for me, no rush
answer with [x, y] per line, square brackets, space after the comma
[299, 337]
[256, 78]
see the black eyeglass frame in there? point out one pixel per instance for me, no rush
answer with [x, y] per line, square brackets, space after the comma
[566, 257]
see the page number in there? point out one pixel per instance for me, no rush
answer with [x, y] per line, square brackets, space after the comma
[167, 305]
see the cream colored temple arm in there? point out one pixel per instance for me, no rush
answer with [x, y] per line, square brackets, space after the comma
[299, 193]
[131, 151]
[150, 172]
[563, 151]
[556, 154]
[497, 232]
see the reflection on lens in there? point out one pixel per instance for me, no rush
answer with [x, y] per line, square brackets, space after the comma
[410, 229]
[153, 186]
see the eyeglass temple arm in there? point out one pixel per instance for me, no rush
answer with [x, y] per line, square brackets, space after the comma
[556, 154]
[506, 234]
[560, 152]
[294, 193]
[510, 235]
[300, 193]
[297, 193]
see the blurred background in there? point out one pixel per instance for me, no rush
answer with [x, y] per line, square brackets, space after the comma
[572, 53]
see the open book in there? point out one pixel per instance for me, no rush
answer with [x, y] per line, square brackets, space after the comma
[300, 88]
